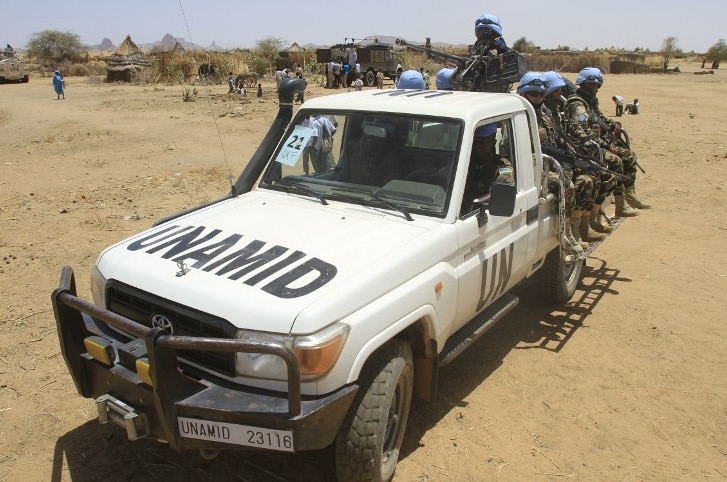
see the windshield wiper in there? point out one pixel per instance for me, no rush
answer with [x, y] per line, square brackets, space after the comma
[297, 186]
[382, 200]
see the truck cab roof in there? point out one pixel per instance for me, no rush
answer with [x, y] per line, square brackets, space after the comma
[436, 103]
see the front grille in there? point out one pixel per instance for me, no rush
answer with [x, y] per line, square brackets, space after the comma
[140, 306]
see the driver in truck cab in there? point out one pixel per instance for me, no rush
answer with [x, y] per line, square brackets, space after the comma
[486, 166]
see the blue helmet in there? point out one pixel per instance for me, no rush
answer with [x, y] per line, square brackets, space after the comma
[555, 81]
[411, 79]
[590, 74]
[489, 22]
[532, 82]
[444, 79]
[486, 130]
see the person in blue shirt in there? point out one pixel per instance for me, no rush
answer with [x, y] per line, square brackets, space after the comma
[59, 84]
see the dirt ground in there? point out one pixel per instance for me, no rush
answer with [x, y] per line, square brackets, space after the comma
[627, 382]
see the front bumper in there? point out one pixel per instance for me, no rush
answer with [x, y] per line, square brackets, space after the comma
[186, 409]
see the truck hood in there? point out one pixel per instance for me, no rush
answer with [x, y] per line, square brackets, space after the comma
[261, 260]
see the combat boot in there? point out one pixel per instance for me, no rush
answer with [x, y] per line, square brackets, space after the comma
[634, 201]
[595, 221]
[584, 229]
[623, 210]
[572, 241]
[574, 223]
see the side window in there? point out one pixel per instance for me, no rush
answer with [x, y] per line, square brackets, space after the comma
[491, 160]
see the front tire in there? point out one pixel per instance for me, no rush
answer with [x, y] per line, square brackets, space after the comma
[369, 440]
[560, 277]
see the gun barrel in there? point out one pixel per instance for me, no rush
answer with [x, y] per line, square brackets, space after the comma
[438, 54]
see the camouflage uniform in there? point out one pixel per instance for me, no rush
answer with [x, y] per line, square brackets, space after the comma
[490, 46]
[547, 125]
[581, 114]
[586, 185]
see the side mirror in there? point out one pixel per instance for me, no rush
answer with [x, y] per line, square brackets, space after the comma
[502, 199]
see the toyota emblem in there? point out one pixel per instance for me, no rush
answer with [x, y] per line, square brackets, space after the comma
[161, 321]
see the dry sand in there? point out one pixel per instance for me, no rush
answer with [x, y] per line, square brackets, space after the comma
[627, 382]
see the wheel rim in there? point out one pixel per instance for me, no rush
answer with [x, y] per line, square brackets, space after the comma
[370, 78]
[393, 421]
[570, 270]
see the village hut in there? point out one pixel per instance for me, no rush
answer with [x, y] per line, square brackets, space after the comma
[294, 55]
[126, 63]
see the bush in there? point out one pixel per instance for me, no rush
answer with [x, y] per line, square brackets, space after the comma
[567, 62]
[78, 70]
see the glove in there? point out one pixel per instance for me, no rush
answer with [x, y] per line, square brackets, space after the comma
[500, 45]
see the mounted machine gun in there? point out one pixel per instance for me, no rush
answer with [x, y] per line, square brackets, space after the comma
[477, 73]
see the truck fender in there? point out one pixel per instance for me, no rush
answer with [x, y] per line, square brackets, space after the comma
[418, 328]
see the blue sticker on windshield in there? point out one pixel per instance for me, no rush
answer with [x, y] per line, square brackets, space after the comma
[294, 145]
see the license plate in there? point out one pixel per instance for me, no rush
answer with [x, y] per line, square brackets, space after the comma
[233, 433]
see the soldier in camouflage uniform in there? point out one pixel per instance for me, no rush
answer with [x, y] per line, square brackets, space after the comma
[489, 43]
[488, 30]
[587, 123]
[533, 86]
[586, 185]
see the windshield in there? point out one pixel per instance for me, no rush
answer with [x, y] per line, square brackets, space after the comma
[398, 162]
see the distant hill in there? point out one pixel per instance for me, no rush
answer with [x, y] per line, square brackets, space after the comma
[167, 43]
[106, 45]
[385, 39]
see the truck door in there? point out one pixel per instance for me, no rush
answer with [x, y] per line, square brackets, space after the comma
[492, 256]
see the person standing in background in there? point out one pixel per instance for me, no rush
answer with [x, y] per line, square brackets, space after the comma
[619, 101]
[59, 85]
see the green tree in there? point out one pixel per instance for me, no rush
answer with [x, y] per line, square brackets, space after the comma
[669, 50]
[523, 45]
[260, 65]
[52, 47]
[718, 51]
[269, 48]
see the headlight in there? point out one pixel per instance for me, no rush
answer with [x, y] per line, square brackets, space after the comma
[98, 287]
[316, 354]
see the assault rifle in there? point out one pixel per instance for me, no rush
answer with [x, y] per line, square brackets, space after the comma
[615, 135]
[477, 73]
[575, 160]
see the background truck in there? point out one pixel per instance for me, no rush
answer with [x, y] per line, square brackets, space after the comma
[12, 67]
[301, 311]
[372, 57]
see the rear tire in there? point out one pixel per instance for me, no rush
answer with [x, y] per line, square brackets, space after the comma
[559, 277]
[369, 440]
[370, 78]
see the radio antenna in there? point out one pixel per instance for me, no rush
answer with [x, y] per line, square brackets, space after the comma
[209, 101]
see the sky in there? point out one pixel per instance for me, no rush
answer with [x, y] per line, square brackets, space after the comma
[697, 24]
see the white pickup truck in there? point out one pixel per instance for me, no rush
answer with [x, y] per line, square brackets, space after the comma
[301, 311]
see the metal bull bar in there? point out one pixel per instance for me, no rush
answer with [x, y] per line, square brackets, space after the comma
[73, 322]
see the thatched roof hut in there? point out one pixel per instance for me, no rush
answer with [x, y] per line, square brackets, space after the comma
[126, 63]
